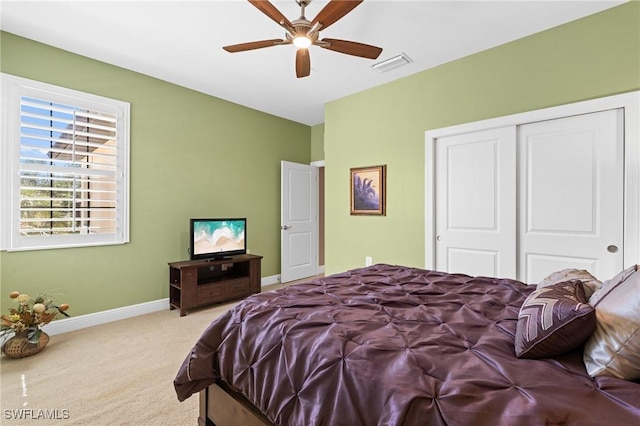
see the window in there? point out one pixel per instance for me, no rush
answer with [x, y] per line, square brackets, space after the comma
[65, 171]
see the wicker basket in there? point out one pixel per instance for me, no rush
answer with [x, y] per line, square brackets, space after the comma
[19, 346]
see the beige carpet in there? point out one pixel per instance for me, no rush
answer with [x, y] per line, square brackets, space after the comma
[119, 373]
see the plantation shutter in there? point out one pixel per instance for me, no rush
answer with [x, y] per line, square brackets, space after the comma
[69, 185]
[67, 169]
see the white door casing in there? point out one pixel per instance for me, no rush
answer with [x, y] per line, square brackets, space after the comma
[475, 194]
[571, 189]
[628, 106]
[299, 223]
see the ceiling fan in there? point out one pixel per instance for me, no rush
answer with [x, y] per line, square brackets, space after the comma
[303, 33]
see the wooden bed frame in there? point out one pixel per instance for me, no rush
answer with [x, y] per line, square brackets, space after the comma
[220, 406]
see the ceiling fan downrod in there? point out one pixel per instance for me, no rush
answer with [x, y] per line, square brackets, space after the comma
[303, 4]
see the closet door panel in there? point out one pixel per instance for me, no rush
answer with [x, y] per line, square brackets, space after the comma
[570, 195]
[475, 195]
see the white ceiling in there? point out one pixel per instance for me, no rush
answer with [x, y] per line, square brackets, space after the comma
[181, 41]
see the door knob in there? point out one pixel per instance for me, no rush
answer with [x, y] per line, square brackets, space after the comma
[612, 249]
[438, 238]
[285, 227]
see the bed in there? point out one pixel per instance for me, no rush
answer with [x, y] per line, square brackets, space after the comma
[396, 345]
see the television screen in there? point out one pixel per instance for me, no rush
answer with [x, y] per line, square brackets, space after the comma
[218, 238]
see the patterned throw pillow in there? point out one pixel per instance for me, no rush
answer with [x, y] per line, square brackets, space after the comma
[554, 320]
[614, 347]
[590, 283]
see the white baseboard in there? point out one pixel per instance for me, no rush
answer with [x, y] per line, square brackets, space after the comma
[273, 279]
[83, 321]
[103, 317]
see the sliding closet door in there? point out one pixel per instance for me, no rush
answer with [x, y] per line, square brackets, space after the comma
[571, 195]
[475, 199]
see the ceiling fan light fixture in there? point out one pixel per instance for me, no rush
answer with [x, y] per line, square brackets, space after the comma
[302, 42]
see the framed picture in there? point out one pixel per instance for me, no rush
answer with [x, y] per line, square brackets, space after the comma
[368, 192]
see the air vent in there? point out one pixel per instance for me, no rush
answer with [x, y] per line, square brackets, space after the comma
[392, 63]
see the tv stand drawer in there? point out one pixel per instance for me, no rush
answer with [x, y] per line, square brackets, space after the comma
[211, 293]
[238, 287]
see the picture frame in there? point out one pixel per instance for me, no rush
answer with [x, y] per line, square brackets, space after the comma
[368, 190]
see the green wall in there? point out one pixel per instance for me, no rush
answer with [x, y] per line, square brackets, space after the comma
[317, 142]
[191, 155]
[593, 57]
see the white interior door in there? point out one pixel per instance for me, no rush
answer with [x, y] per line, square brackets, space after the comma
[475, 203]
[299, 222]
[571, 195]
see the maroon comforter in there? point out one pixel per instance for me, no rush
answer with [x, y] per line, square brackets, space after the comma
[391, 345]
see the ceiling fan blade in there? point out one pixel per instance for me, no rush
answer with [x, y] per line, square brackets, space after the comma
[253, 45]
[351, 48]
[334, 10]
[270, 10]
[303, 63]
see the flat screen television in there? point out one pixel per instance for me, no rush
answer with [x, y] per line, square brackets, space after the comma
[217, 238]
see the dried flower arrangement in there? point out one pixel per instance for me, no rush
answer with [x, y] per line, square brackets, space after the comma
[30, 315]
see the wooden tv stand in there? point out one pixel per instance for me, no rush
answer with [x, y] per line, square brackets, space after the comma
[196, 283]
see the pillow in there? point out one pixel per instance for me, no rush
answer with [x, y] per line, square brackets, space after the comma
[590, 283]
[614, 347]
[554, 320]
[608, 285]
